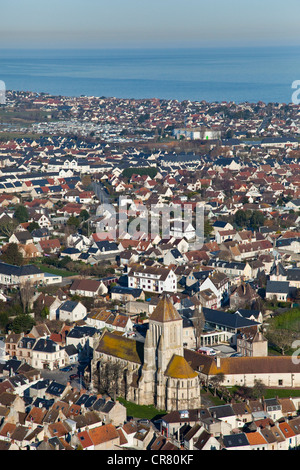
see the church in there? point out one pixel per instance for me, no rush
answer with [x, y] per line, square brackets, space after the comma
[154, 372]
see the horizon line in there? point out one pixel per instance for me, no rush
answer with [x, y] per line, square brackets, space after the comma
[153, 47]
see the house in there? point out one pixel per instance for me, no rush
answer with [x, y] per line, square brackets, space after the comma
[22, 237]
[83, 338]
[71, 252]
[15, 275]
[49, 246]
[235, 442]
[152, 279]
[29, 251]
[85, 287]
[104, 437]
[42, 220]
[254, 315]
[278, 289]
[232, 268]
[227, 324]
[110, 411]
[46, 354]
[218, 283]
[174, 420]
[243, 295]
[220, 226]
[174, 257]
[198, 438]
[252, 344]
[125, 294]
[71, 311]
[104, 247]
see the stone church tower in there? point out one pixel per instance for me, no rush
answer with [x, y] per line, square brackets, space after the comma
[167, 380]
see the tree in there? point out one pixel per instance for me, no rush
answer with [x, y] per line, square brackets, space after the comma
[73, 221]
[259, 389]
[11, 255]
[216, 380]
[7, 227]
[21, 214]
[198, 323]
[26, 293]
[110, 375]
[84, 215]
[22, 323]
[280, 338]
[208, 228]
[33, 226]
[256, 220]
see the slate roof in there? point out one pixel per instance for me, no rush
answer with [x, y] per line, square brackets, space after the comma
[277, 287]
[235, 440]
[225, 319]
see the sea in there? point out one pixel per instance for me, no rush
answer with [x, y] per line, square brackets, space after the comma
[239, 74]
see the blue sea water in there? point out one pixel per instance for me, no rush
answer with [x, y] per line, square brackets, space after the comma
[212, 74]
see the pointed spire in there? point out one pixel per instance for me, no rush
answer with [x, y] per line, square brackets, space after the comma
[165, 311]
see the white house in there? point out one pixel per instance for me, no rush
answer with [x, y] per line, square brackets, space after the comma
[71, 311]
[46, 354]
[152, 279]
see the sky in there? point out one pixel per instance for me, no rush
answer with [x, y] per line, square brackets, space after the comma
[141, 23]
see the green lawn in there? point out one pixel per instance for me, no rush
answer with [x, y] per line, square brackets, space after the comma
[276, 392]
[141, 411]
[281, 393]
[55, 271]
[289, 320]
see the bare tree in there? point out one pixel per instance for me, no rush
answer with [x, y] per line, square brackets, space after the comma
[280, 338]
[198, 323]
[109, 378]
[26, 294]
[258, 389]
[216, 380]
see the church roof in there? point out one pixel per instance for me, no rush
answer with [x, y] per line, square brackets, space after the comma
[165, 311]
[179, 368]
[118, 346]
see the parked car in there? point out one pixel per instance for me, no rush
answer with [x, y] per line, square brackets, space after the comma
[207, 351]
[73, 376]
[66, 369]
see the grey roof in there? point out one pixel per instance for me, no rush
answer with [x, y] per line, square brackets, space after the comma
[86, 400]
[126, 290]
[82, 331]
[45, 345]
[248, 313]
[293, 274]
[221, 411]
[71, 350]
[277, 287]
[225, 319]
[235, 440]
[56, 389]
[12, 270]
[68, 306]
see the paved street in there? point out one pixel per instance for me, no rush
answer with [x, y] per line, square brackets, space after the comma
[63, 376]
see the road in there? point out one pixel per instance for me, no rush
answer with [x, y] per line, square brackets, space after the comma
[63, 377]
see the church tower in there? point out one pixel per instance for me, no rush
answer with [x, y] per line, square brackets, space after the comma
[164, 360]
